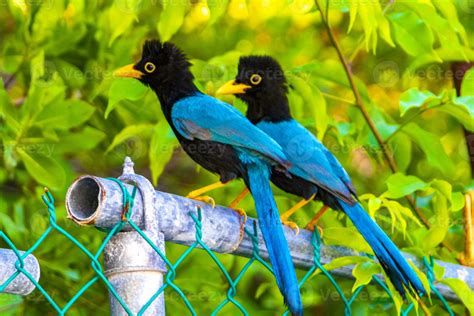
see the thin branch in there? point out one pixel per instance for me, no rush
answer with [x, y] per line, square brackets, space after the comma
[358, 98]
[360, 104]
[335, 97]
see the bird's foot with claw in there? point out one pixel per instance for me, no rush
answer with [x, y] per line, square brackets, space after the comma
[291, 224]
[241, 212]
[203, 198]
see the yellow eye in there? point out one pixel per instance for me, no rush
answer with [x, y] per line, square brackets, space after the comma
[150, 67]
[255, 79]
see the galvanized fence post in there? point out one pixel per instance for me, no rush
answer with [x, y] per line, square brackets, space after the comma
[132, 266]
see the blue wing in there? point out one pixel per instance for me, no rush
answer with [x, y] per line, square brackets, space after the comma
[207, 118]
[309, 158]
[338, 169]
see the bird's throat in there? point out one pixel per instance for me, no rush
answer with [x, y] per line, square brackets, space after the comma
[273, 108]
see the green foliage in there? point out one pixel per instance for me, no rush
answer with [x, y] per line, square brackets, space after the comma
[62, 114]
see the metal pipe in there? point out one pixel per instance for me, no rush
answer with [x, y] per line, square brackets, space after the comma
[135, 271]
[94, 201]
[132, 265]
[20, 285]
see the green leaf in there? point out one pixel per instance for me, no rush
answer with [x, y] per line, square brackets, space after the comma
[443, 187]
[412, 33]
[462, 108]
[467, 86]
[262, 288]
[363, 273]
[43, 169]
[314, 99]
[161, 150]
[448, 9]
[400, 185]
[347, 237]
[433, 238]
[64, 114]
[171, 18]
[70, 73]
[431, 146]
[438, 231]
[463, 291]
[217, 8]
[402, 151]
[343, 262]
[120, 18]
[397, 299]
[139, 130]
[438, 271]
[329, 71]
[457, 201]
[124, 89]
[414, 98]
[86, 139]
[374, 205]
[7, 109]
[398, 214]
[423, 278]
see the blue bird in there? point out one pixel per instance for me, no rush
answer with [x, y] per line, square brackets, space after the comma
[223, 141]
[316, 173]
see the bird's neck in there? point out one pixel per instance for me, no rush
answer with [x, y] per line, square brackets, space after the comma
[172, 91]
[272, 108]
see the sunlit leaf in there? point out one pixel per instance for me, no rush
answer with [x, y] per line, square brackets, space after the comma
[124, 89]
[411, 33]
[343, 262]
[462, 290]
[400, 185]
[162, 145]
[467, 87]
[171, 18]
[457, 201]
[140, 130]
[346, 236]
[414, 98]
[429, 143]
[462, 108]
[363, 273]
[64, 114]
[45, 170]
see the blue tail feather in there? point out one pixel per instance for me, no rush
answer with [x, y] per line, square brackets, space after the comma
[273, 235]
[395, 265]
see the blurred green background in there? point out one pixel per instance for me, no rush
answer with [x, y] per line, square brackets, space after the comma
[62, 114]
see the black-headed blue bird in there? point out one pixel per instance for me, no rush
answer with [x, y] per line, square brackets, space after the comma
[316, 173]
[223, 141]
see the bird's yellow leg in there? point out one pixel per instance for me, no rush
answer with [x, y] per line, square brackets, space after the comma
[237, 200]
[314, 221]
[198, 194]
[284, 217]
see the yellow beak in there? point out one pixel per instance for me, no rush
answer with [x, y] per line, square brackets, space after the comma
[231, 87]
[128, 72]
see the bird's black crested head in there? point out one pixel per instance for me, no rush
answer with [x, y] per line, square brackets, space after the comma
[262, 74]
[162, 63]
[261, 83]
[163, 67]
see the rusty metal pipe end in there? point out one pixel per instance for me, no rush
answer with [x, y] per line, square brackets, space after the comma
[83, 200]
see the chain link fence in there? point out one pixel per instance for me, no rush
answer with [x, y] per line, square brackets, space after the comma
[136, 221]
